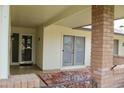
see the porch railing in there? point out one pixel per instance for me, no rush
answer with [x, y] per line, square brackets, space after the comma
[118, 60]
[118, 71]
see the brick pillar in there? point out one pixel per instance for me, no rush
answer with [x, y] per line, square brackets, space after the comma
[102, 44]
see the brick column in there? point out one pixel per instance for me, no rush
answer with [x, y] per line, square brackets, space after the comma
[102, 44]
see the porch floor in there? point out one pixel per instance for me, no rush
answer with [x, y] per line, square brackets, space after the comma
[18, 70]
[59, 78]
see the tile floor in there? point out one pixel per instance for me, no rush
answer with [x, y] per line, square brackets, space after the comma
[17, 70]
[21, 70]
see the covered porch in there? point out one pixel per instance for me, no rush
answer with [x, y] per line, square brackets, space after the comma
[45, 48]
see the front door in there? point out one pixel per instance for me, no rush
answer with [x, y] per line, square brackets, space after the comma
[15, 48]
[22, 48]
[73, 50]
[26, 49]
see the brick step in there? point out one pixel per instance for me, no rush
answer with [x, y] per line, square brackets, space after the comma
[21, 81]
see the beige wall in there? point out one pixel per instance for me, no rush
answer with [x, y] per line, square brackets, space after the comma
[53, 46]
[26, 30]
[39, 48]
[23, 30]
[49, 48]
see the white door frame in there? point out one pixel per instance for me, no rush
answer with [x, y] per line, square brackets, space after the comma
[20, 47]
[61, 61]
[33, 48]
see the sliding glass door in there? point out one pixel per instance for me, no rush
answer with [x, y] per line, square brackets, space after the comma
[79, 51]
[68, 51]
[73, 50]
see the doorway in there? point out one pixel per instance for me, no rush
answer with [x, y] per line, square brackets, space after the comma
[26, 49]
[73, 50]
[22, 49]
[15, 48]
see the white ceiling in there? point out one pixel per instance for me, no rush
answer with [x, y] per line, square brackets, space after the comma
[66, 15]
[78, 19]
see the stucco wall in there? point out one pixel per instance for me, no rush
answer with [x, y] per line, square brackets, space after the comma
[53, 45]
[39, 48]
[23, 30]
[49, 48]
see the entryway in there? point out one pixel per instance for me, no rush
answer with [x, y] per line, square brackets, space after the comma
[20, 70]
[22, 49]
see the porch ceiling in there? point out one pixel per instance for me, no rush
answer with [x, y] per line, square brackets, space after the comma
[84, 17]
[33, 15]
[66, 15]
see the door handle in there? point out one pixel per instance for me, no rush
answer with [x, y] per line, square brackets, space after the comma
[62, 50]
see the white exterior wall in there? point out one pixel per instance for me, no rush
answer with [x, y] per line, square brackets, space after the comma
[39, 50]
[53, 46]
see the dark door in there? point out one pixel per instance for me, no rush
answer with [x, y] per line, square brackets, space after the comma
[26, 50]
[15, 48]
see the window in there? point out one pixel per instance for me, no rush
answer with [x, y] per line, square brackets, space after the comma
[115, 47]
[73, 50]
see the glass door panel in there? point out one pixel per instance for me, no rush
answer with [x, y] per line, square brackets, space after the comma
[26, 48]
[73, 50]
[68, 51]
[79, 51]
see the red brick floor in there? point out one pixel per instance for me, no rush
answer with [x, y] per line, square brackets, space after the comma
[22, 77]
